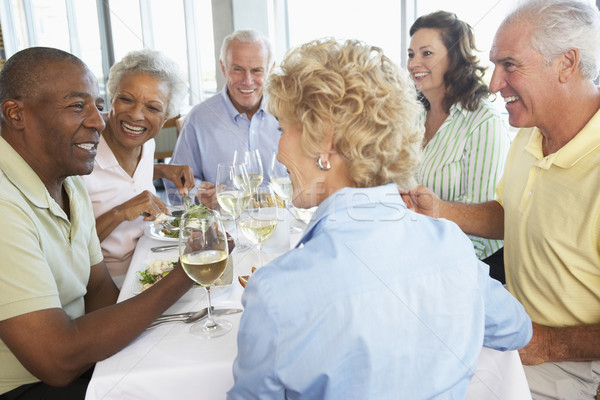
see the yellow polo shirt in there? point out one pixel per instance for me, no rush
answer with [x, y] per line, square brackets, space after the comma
[552, 226]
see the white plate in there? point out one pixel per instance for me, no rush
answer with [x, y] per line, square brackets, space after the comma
[155, 232]
[137, 286]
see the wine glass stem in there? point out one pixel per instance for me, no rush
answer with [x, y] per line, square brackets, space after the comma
[236, 221]
[210, 324]
[260, 262]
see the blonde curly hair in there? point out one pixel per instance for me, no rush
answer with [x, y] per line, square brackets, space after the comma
[352, 93]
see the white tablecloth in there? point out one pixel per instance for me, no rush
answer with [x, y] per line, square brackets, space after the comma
[168, 363]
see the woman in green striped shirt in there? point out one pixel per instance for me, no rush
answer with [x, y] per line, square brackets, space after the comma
[466, 140]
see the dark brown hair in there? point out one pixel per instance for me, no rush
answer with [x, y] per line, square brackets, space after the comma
[463, 79]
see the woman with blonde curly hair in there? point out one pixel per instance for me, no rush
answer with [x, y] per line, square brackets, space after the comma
[375, 301]
[466, 141]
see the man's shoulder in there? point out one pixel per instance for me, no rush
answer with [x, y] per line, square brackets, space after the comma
[211, 102]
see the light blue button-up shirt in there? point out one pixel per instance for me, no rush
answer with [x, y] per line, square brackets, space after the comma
[214, 129]
[376, 302]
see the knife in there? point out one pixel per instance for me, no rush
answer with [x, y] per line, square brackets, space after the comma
[191, 316]
[164, 248]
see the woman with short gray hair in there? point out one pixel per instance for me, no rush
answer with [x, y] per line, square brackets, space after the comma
[146, 89]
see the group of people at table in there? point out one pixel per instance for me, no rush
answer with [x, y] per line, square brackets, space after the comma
[383, 296]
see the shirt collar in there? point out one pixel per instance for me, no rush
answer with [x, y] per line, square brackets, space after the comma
[584, 143]
[457, 108]
[352, 203]
[233, 113]
[105, 157]
[24, 178]
[454, 109]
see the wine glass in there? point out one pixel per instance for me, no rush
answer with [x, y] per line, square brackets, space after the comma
[259, 218]
[282, 185]
[203, 254]
[251, 159]
[233, 192]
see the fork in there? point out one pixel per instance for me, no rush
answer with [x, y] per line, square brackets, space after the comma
[163, 219]
[187, 202]
[168, 225]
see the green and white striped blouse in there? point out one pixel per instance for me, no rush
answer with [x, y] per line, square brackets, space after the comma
[464, 160]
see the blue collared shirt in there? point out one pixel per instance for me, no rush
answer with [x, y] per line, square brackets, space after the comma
[376, 302]
[214, 129]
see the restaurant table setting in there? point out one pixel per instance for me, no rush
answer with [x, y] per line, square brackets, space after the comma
[166, 361]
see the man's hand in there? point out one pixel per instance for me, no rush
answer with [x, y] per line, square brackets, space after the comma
[539, 347]
[207, 195]
[422, 201]
[181, 175]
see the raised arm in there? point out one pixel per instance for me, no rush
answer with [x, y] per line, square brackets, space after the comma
[484, 219]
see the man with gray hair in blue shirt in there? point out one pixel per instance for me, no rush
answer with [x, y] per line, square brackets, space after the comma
[233, 119]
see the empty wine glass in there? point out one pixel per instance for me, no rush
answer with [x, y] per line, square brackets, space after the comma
[251, 159]
[233, 192]
[203, 254]
[259, 218]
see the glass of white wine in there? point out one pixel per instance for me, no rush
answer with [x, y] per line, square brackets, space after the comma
[203, 254]
[251, 159]
[282, 185]
[233, 193]
[259, 218]
[280, 180]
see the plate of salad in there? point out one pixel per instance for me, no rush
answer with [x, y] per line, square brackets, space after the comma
[153, 272]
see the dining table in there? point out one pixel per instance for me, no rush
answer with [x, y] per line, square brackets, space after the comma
[167, 362]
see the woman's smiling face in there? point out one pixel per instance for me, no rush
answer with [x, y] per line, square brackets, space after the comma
[428, 61]
[138, 109]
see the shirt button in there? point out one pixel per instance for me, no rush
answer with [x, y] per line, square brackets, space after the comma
[538, 169]
[530, 193]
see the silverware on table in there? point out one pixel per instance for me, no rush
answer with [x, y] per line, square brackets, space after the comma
[191, 316]
[164, 248]
[182, 316]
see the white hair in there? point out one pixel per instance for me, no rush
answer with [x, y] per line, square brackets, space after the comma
[558, 26]
[246, 36]
[153, 63]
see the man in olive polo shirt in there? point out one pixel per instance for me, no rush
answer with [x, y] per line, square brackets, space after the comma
[57, 301]
[546, 56]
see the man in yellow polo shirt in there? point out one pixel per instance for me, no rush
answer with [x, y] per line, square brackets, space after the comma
[57, 311]
[546, 56]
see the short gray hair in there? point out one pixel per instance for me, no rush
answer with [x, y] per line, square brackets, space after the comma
[246, 36]
[560, 25]
[153, 63]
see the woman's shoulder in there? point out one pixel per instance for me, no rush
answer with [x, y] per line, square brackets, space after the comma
[486, 111]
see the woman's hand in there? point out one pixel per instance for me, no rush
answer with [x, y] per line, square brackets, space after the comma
[145, 204]
[181, 175]
[207, 195]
